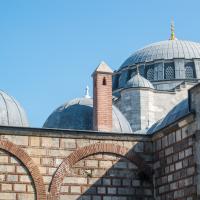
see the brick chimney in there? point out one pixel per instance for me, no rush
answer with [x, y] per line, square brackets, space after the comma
[102, 98]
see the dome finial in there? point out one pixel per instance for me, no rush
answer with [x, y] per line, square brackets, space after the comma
[87, 95]
[172, 37]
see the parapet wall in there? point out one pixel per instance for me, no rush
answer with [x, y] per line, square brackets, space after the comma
[47, 164]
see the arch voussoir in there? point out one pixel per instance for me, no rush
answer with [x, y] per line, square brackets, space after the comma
[84, 152]
[21, 155]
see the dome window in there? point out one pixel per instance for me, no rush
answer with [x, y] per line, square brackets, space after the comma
[150, 74]
[104, 81]
[189, 72]
[169, 72]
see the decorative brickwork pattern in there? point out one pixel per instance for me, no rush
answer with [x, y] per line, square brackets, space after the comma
[84, 152]
[20, 154]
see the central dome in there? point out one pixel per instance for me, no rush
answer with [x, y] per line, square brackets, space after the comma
[168, 49]
[170, 60]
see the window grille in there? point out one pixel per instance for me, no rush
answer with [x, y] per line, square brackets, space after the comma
[169, 73]
[189, 72]
[150, 74]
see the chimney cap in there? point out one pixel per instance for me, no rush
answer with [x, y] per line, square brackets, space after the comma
[103, 68]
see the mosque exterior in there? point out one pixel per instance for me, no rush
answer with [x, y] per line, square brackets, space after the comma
[138, 137]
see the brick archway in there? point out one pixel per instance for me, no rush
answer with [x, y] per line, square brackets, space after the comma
[29, 164]
[84, 152]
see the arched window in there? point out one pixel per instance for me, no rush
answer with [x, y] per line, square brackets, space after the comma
[104, 81]
[189, 73]
[150, 74]
[169, 72]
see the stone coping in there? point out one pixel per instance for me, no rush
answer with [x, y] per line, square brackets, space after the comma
[79, 134]
[64, 133]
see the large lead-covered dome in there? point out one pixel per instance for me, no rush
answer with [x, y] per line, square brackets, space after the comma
[168, 49]
[78, 114]
[11, 112]
[171, 60]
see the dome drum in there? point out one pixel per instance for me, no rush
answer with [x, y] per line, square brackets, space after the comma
[160, 70]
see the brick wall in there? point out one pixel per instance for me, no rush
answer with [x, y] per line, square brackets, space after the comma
[175, 165]
[102, 109]
[73, 165]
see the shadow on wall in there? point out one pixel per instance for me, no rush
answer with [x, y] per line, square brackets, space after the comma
[108, 176]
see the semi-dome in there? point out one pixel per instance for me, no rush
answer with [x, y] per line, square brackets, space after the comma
[168, 49]
[11, 112]
[78, 114]
[139, 81]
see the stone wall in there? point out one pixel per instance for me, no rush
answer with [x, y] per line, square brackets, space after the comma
[143, 106]
[47, 164]
[175, 164]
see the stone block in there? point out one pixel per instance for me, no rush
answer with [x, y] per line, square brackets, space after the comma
[8, 196]
[168, 151]
[136, 183]
[170, 178]
[178, 165]
[6, 187]
[178, 135]
[190, 171]
[68, 143]
[101, 190]
[64, 189]
[50, 142]
[18, 140]
[75, 180]
[181, 155]
[98, 172]
[94, 181]
[35, 141]
[47, 161]
[69, 197]
[26, 196]
[7, 168]
[30, 188]
[91, 163]
[106, 181]
[188, 152]
[25, 179]
[105, 164]
[3, 159]
[121, 165]
[112, 190]
[20, 187]
[126, 191]
[178, 194]
[21, 170]
[75, 189]
[12, 178]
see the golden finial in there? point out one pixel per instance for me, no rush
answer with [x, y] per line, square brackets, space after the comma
[172, 37]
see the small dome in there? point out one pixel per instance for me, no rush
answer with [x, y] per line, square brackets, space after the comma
[78, 114]
[11, 113]
[139, 81]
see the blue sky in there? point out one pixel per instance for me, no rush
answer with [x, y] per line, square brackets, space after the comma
[49, 49]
